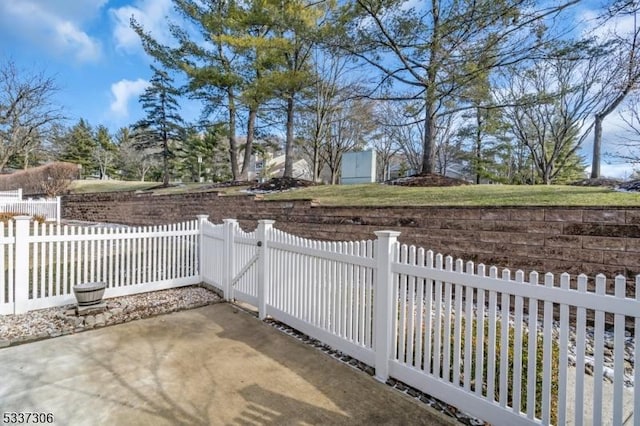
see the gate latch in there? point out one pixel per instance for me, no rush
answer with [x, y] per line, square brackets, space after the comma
[259, 243]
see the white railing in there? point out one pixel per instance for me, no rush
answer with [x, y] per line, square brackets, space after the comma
[494, 344]
[42, 262]
[47, 208]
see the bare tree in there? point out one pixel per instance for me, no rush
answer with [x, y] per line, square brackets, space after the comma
[628, 149]
[316, 114]
[384, 142]
[625, 75]
[432, 48]
[553, 101]
[134, 159]
[27, 110]
[351, 124]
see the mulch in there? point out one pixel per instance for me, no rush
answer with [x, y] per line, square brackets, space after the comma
[281, 184]
[632, 186]
[608, 182]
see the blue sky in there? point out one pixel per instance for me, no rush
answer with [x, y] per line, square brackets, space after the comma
[88, 46]
[99, 64]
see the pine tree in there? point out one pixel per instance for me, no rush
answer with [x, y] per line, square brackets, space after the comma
[78, 145]
[163, 124]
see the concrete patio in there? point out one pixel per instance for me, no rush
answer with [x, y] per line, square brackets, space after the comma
[207, 366]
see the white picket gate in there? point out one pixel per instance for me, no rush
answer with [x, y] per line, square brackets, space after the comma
[485, 341]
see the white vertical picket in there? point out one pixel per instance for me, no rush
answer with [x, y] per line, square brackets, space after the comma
[598, 354]
[402, 306]
[581, 321]
[34, 262]
[457, 327]
[446, 324]
[564, 353]
[428, 328]
[546, 353]
[491, 343]
[517, 346]
[437, 335]
[504, 342]
[480, 317]
[11, 228]
[618, 354]
[532, 326]
[418, 361]
[468, 335]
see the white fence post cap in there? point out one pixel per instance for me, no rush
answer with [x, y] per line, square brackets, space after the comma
[388, 234]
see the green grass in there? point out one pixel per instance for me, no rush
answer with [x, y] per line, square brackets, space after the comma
[92, 186]
[87, 186]
[470, 195]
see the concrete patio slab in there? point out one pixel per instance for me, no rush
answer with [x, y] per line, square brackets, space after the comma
[207, 366]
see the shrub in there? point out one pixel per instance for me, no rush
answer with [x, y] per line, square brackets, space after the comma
[39, 218]
[51, 179]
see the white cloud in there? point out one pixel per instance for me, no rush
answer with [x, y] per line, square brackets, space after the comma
[593, 26]
[122, 92]
[54, 25]
[151, 14]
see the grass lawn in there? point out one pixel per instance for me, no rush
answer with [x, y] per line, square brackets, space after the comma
[470, 195]
[86, 186]
[91, 186]
[388, 195]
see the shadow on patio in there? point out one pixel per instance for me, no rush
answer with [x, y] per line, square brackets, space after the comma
[212, 365]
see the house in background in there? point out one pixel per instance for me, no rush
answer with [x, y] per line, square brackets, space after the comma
[268, 162]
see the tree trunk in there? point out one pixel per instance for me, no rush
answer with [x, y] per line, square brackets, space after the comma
[165, 159]
[597, 144]
[233, 147]
[428, 146]
[478, 146]
[288, 147]
[248, 149]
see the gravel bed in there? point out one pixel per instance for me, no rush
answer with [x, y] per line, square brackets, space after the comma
[58, 321]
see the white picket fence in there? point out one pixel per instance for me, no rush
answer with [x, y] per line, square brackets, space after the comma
[12, 202]
[47, 208]
[492, 344]
[11, 195]
[42, 262]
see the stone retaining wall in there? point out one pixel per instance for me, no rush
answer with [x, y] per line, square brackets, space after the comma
[577, 240]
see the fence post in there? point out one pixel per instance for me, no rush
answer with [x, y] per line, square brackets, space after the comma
[229, 259]
[20, 194]
[201, 219]
[384, 300]
[58, 210]
[264, 228]
[21, 266]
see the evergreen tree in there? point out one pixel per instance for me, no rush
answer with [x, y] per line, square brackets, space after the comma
[163, 124]
[78, 145]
